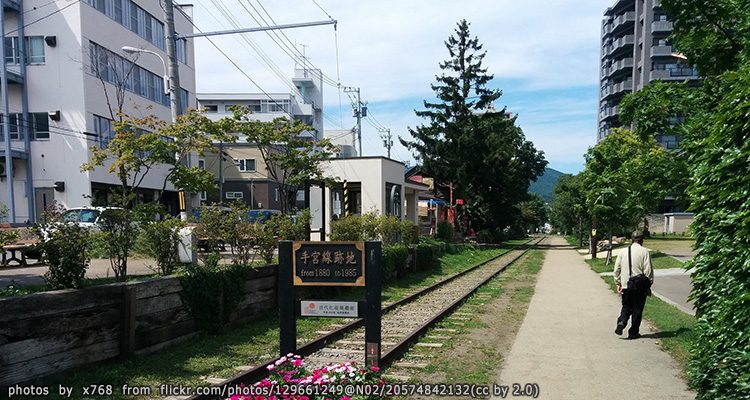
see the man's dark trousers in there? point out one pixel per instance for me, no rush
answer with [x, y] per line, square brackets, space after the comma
[633, 302]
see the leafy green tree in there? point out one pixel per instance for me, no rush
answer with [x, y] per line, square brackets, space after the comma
[568, 212]
[625, 178]
[139, 147]
[468, 144]
[532, 213]
[291, 159]
[712, 34]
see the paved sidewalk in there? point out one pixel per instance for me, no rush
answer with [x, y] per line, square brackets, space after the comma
[567, 346]
[98, 268]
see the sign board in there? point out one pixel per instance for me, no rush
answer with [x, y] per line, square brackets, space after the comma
[328, 263]
[314, 308]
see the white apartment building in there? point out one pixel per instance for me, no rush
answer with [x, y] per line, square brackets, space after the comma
[60, 96]
[243, 175]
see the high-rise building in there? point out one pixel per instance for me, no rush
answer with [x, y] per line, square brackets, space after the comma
[635, 50]
[66, 78]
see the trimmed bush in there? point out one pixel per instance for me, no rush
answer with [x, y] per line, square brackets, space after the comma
[395, 261]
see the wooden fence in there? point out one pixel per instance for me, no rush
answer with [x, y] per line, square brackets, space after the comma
[47, 333]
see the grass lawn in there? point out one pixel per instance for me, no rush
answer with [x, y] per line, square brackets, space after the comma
[207, 355]
[659, 260]
[674, 328]
[682, 246]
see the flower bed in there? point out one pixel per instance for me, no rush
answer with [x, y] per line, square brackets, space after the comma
[289, 379]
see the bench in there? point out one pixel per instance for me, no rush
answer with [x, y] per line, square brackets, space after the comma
[22, 250]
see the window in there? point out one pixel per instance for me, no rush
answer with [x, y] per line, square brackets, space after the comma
[37, 124]
[103, 130]
[247, 165]
[276, 194]
[234, 195]
[181, 50]
[128, 14]
[34, 50]
[201, 163]
[117, 70]
[203, 196]
[254, 106]
[211, 108]
[40, 126]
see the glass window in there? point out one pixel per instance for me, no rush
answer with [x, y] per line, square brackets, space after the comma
[11, 51]
[247, 165]
[158, 33]
[134, 17]
[89, 216]
[211, 108]
[118, 11]
[70, 216]
[181, 45]
[41, 125]
[104, 131]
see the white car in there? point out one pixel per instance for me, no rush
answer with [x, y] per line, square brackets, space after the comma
[86, 217]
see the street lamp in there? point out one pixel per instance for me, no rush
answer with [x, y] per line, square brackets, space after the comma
[173, 108]
[135, 50]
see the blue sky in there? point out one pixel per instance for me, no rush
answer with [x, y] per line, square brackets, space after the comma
[543, 53]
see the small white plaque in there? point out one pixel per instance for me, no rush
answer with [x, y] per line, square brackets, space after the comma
[313, 308]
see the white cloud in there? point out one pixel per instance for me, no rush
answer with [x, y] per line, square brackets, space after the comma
[391, 50]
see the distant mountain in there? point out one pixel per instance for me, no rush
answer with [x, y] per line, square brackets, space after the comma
[545, 184]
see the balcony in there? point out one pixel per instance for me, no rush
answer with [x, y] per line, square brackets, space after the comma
[621, 43]
[661, 26]
[606, 28]
[622, 19]
[621, 66]
[622, 87]
[661, 51]
[611, 112]
[678, 74]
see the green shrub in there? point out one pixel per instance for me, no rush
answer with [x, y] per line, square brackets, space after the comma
[65, 247]
[720, 361]
[161, 241]
[428, 255]
[212, 292]
[445, 231]
[386, 228]
[119, 234]
[395, 261]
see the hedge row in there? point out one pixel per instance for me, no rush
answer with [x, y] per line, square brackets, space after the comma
[399, 259]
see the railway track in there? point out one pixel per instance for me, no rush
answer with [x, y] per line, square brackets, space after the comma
[403, 322]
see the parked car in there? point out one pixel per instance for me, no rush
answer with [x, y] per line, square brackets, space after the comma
[261, 216]
[86, 217]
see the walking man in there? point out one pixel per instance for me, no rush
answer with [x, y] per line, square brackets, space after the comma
[633, 276]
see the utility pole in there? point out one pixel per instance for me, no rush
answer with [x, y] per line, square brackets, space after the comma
[385, 134]
[360, 110]
[6, 129]
[175, 98]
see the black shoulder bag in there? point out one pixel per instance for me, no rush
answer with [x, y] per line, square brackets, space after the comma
[639, 283]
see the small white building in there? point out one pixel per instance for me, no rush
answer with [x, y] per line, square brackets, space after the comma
[677, 222]
[374, 184]
[60, 95]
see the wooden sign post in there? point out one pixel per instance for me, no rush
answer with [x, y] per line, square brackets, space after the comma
[330, 264]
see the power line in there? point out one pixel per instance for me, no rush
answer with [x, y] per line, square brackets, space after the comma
[44, 17]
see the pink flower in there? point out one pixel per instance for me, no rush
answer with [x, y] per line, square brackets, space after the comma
[375, 369]
[297, 362]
